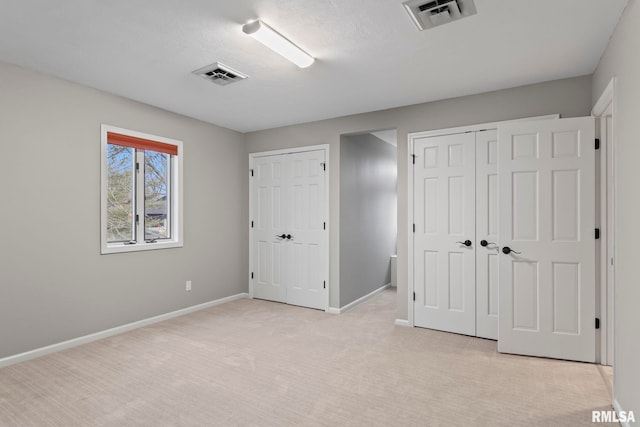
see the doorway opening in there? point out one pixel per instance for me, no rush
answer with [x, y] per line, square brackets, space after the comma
[368, 214]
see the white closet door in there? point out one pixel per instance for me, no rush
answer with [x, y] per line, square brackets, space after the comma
[444, 213]
[547, 207]
[487, 231]
[269, 220]
[306, 254]
[290, 241]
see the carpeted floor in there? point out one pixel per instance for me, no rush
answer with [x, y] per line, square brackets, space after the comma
[258, 363]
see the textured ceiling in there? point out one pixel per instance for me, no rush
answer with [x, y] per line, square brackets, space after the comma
[370, 55]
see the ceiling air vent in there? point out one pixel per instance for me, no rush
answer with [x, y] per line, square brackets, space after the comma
[431, 13]
[220, 74]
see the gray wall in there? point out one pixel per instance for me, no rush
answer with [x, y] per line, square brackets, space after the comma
[569, 97]
[368, 214]
[54, 284]
[621, 59]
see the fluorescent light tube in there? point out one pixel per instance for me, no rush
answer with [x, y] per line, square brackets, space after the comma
[278, 43]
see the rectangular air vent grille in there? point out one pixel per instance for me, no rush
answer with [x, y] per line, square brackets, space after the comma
[220, 74]
[435, 6]
[431, 13]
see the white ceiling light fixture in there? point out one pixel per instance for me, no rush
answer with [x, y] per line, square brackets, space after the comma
[278, 43]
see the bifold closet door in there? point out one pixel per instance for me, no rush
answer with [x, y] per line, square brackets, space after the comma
[445, 217]
[289, 236]
[547, 242]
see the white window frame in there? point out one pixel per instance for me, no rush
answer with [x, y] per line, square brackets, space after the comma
[176, 195]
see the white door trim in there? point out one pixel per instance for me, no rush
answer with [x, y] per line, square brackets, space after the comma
[477, 127]
[324, 147]
[605, 106]
[290, 151]
[410, 204]
[607, 97]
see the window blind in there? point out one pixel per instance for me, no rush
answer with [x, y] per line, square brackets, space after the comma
[141, 143]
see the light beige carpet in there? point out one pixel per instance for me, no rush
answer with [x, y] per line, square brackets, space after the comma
[259, 363]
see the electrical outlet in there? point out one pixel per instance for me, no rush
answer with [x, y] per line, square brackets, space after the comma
[188, 287]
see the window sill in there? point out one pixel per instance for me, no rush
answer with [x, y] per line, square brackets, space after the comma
[115, 248]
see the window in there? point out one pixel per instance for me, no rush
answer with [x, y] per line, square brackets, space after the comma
[141, 191]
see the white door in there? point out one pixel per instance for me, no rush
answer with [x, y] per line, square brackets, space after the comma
[269, 220]
[487, 234]
[547, 215]
[289, 241]
[305, 204]
[444, 214]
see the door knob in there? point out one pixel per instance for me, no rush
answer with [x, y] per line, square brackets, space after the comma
[282, 236]
[289, 236]
[466, 243]
[485, 243]
[507, 250]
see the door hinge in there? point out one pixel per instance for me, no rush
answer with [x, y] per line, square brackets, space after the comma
[252, 275]
[597, 143]
[414, 296]
[324, 166]
[414, 228]
[137, 218]
[137, 167]
[597, 233]
[413, 158]
[597, 323]
[251, 172]
[251, 224]
[324, 284]
[324, 225]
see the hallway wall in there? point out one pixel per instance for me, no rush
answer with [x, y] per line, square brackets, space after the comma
[368, 214]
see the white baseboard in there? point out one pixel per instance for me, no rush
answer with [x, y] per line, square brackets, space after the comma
[618, 409]
[38, 352]
[402, 322]
[360, 300]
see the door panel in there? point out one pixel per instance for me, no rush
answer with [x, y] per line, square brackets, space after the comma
[269, 217]
[444, 194]
[525, 205]
[306, 284]
[525, 287]
[487, 229]
[566, 297]
[547, 213]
